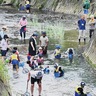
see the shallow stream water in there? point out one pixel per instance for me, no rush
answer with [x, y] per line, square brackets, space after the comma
[78, 71]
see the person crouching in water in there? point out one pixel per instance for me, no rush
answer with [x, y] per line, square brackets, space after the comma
[40, 51]
[32, 64]
[57, 52]
[15, 61]
[79, 90]
[58, 72]
[40, 60]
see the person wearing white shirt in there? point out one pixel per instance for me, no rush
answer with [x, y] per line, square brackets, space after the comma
[44, 42]
[36, 76]
[4, 46]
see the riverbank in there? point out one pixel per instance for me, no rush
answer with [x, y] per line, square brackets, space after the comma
[55, 27]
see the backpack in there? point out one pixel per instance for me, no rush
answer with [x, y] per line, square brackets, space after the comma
[86, 5]
[39, 75]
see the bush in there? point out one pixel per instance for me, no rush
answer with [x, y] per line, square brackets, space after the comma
[1, 1]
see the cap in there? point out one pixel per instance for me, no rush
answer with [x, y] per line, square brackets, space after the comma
[6, 36]
[58, 46]
[35, 34]
[43, 32]
[40, 48]
[56, 65]
[91, 16]
[14, 51]
[24, 17]
[82, 84]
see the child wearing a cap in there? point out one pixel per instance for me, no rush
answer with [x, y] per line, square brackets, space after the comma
[40, 59]
[57, 52]
[3, 32]
[40, 51]
[15, 61]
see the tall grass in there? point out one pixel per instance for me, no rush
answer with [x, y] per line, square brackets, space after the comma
[3, 72]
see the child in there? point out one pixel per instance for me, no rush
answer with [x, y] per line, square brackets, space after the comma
[15, 61]
[40, 59]
[32, 64]
[40, 51]
[61, 72]
[15, 48]
[21, 7]
[28, 57]
[57, 52]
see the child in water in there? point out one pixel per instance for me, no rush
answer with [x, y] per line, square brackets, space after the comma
[57, 52]
[15, 61]
[40, 51]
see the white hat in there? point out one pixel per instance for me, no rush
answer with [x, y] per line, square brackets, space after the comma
[4, 27]
[91, 16]
[40, 48]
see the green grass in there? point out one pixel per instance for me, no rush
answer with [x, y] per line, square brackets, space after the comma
[70, 39]
[71, 35]
[3, 72]
[69, 44]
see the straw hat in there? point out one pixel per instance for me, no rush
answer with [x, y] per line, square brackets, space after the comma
[4, 27]
[40, 48]
[91, 16]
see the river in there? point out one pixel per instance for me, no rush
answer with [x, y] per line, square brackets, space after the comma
[78, 71]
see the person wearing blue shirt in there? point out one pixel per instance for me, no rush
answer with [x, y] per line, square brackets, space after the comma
[82, 29]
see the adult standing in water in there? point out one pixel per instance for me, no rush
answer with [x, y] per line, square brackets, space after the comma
[4, 46]
[23, 23]
[92, 24]
[44, 42]
[35, 76]
[3, 32]
[82, 29]
[32, 45]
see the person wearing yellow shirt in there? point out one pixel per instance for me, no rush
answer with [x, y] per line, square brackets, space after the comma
[79, 90]
[15, 61]
[57, 52]
[27, 3]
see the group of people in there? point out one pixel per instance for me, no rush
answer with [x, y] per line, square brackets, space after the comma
[82, 28]
[82, 23]
[26, 7]
[35, 64]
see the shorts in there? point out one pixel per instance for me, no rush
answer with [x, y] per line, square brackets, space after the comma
[3, 52]
[33, 80]
[82, 34]
[15, 64]
[58, 56]
[85, 11]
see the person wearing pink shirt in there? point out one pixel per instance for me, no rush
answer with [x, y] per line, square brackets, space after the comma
[23, 23]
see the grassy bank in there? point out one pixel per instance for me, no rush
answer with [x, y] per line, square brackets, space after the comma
[3, 72]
